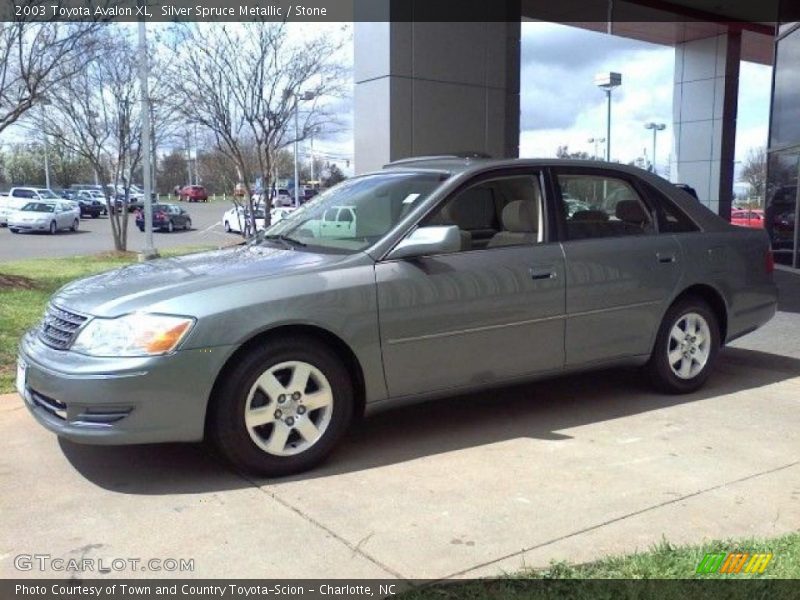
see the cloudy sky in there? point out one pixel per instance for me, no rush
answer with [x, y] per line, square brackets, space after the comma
[561, 106]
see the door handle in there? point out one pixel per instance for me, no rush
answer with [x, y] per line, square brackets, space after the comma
[546, 273]
[665, 258]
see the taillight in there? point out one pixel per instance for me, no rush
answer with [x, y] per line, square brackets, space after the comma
[770, 261]
[160, 216]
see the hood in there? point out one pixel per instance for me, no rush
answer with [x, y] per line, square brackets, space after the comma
[139, 286]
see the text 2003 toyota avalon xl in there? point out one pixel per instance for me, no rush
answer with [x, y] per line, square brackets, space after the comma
[427, 278]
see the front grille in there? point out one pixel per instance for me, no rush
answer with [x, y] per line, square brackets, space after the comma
[59, 327]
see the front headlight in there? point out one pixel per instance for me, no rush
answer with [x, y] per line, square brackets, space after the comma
[137, 334]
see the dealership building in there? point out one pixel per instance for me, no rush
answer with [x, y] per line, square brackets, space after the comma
[432, 87]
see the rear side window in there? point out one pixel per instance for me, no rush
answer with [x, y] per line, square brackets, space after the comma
[600, 206]
[671, 219]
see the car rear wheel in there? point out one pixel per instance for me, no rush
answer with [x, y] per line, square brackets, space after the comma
[170, 226]
[686, 347]
[188, 225]
[227, 227]
[282, 408]
[53, 228]
[12, 230]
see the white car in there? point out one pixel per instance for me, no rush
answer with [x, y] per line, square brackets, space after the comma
[45, 215]
[8, 205]
[234, 220]
[336, 222]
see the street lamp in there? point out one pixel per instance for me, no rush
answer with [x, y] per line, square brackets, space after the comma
[297, 97]
[42, 103]
[147, 168]
[656, 127]
[596, 141]
[608, 82]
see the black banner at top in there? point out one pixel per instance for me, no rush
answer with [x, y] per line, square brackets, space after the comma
[757, 14]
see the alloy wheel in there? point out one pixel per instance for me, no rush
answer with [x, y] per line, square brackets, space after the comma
[689, 345]
[289, 408]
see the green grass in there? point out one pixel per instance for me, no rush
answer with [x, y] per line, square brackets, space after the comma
[664, 561]
[21, 308]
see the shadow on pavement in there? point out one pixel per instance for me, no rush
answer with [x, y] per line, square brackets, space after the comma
[538, 410]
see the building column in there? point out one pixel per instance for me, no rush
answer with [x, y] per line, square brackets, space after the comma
[704, 117]
[435, 88]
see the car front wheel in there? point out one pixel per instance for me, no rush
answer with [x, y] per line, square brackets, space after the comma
[170, 227]
[75, 225]
[282, 408]
[53, 228]
[686, 347]
[188, 225]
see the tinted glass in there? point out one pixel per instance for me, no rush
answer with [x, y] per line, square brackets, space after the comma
[786, 98]
[671, 219]
[506, 211]
[597, 206]
[780, 214]
[39, 207]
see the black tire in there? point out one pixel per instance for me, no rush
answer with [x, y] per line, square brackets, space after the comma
[170, 226]
[75, 225]
[658, 367]
[227, 227]
[53, 228]
[141, 228]
[226, 424]
[187, 225]
[13, 230]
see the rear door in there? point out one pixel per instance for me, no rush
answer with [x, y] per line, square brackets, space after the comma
[620, 272]
[492, 311]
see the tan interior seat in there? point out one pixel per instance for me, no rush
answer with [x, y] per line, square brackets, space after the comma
[520, 220]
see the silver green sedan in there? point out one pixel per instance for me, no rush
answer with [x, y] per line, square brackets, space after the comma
[428, 278]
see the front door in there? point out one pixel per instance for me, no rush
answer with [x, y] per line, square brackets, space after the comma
[492, 311]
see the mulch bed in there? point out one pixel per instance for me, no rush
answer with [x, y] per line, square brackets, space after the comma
[17, 281]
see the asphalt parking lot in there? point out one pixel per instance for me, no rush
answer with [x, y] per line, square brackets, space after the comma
[574, 469]
[94, 236]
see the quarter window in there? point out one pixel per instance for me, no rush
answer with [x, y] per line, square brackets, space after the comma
[597, 206]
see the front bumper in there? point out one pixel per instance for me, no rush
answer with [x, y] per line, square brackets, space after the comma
[30, 225]
[119, 400]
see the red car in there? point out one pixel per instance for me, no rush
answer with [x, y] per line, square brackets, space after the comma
[193, 193]
[749, 217]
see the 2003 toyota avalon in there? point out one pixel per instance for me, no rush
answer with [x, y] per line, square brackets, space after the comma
[455, 274]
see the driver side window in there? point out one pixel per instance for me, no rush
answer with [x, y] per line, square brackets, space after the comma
[506, 211]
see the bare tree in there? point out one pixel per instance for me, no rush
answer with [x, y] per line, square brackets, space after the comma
[242, 83]
[37, 56]
[96, 114]
[754, 172]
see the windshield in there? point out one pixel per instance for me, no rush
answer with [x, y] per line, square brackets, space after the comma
[39, 207]
[46, 194]
[358, 212]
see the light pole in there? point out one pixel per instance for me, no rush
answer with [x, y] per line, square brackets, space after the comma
[656, 127]
[596, 141]
[608, 82]
[45, 102]
[149, 251]
[297, 97]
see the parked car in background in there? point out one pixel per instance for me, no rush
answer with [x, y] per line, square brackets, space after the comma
[166, 217]
[748, 217]
[452, 275]
[779, 217]
[9, 205]
[234, 220]
[193, 193]
[281, 198]
[44, 215]
[335, 222]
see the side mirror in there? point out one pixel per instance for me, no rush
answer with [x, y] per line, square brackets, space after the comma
[434, 239]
